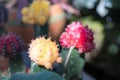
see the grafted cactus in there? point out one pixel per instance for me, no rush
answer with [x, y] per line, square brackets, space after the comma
[11, 46]
[79, 40]
[37, 13]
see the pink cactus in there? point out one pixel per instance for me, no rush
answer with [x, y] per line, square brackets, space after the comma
[11, 44]
[78, 36]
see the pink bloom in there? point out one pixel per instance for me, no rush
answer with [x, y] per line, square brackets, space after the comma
[78, 36]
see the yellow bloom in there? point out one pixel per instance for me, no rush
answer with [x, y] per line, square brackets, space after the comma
[38, 9]
[44, 52]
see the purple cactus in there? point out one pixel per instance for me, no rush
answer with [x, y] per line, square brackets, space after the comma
[11, 45]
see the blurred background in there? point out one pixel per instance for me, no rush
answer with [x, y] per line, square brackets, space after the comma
[102, 16]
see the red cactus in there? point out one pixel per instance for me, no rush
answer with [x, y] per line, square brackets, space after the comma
[11, 44]
[78, 36]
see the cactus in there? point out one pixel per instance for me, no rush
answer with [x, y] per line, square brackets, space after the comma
[43, 75]
[41, 30]
[35, 68]
[37, 13]
[44, 52]
[16, 65]
[11, 44]
[58, 68]
[74, 66]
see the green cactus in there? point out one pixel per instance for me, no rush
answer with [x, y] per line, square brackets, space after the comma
[41, 30]
[74, 66]
[36, 68]
[2, 30]
[43, 75]
[16, 65]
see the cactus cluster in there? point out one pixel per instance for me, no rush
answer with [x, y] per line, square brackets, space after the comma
[36, 13]
[11, 44]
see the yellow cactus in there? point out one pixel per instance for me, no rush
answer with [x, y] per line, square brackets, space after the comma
[44, 52]
[39, 10]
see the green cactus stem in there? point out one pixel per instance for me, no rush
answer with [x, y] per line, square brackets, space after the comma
[16, 65]
[74, 66]
[36, 68]
[68, 55]
[41, 30]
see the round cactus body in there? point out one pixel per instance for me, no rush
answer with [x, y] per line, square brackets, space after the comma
[11, 44]
[36, 13]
